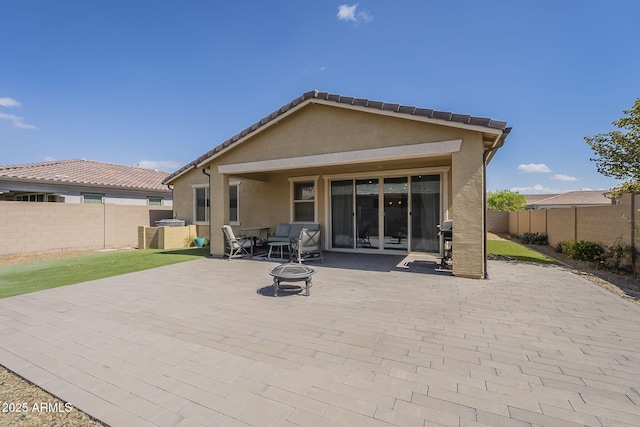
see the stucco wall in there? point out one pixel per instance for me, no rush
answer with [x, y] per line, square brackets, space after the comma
[166, 237]
[468, 209]
[37, 227]
[183, 194]
[320, 129]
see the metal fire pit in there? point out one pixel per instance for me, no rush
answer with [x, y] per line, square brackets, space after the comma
[292, 272]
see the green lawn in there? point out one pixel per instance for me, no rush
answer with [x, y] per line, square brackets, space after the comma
[23, 278]
[516, 251]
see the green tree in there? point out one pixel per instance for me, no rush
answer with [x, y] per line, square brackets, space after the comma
[618, 152]
[505, 200]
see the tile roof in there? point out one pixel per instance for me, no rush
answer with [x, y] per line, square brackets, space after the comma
[348, 100]
[87, 172]
[576, 198]
[533, 198]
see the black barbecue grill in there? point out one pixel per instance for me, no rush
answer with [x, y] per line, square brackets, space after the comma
[445, 230]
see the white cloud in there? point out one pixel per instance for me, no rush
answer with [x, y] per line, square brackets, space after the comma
[350, 14]
[17, 121]
[346, 12]
[163, 165]
[536, 189]
[9, 102]
[566, 178]
[323, 68]
[365, 16]
[534, 168]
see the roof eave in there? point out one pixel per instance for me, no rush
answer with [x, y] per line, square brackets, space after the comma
[82, 184]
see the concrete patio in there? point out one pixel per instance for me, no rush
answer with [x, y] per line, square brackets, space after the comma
[201, 343]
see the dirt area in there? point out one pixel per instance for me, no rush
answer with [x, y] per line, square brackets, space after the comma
[622, 284]
[45, 256]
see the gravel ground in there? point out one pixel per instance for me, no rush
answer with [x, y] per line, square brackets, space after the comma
[27, 405]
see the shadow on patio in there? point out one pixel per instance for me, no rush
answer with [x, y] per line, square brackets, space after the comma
[413, 263]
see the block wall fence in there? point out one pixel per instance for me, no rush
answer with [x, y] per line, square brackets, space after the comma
[601, 224]
[41, 227]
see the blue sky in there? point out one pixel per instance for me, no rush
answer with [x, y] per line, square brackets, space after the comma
[158, 83]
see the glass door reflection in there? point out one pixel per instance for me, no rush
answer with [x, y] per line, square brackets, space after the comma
[367, 205]
[396, 213]
[342, 214]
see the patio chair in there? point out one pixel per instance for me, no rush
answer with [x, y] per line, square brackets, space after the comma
[236, 247]
[306, 247]
[364, 236]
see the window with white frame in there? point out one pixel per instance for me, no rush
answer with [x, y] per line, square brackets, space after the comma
[92, 198]
[34, 197]
[201, 203]
[154, 201]
[304, 200]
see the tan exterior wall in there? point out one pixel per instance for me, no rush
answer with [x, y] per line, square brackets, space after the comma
[40, 227]
[166, 237]
[320, 129]
[468, 209]
[183, 203]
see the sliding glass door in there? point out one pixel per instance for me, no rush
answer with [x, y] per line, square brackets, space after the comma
[396, 213]
[425, 213]
[342, 214]
[390, 214]
[367, 206]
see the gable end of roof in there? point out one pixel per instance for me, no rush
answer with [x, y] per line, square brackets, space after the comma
[347, 100]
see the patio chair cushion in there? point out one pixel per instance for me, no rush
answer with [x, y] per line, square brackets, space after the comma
[283, 230]
[286, 232]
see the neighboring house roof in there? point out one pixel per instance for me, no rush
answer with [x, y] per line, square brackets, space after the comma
[87, 173]
[533, 198]
[575, 198]
[397, 110]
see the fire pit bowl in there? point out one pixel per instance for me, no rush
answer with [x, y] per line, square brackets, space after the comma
[291, 272]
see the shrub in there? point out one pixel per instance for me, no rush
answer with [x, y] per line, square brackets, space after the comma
[619, 257]
[535, 239]
[586, 251]
[580, 250]
[564, 246]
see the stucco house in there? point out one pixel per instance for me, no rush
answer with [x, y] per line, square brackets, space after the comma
[83, 181]
[378, 177]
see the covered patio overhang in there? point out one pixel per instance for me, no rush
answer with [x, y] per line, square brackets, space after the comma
[389, 158]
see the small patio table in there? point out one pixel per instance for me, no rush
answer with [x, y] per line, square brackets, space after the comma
[291, 272]
[280, 245]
